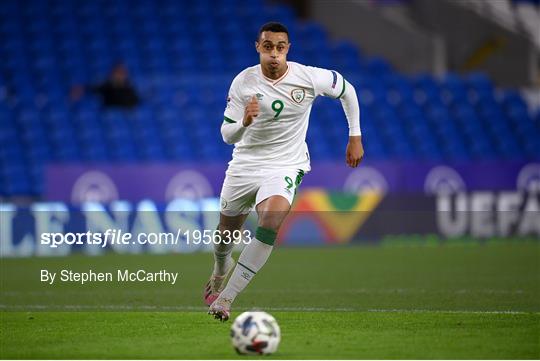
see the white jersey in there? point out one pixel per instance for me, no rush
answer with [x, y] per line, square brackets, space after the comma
[277, 137]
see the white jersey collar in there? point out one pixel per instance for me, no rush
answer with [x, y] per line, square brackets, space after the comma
[274, 82]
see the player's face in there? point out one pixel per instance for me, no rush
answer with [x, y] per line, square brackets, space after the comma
[273, 48]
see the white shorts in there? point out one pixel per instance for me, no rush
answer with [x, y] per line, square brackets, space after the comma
[242, 192]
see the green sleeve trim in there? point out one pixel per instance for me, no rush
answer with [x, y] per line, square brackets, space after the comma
[228, 120]
[266, 235]
[342, 90]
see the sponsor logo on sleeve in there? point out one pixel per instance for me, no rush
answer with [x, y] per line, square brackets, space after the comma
[334, 79]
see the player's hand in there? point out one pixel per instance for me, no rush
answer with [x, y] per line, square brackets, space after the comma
[251, 111]
[355, 151]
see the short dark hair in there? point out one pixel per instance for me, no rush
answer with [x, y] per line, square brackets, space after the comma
[274, 27]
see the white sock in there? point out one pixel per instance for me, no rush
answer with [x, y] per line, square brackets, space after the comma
[222, 258]
[251, 260]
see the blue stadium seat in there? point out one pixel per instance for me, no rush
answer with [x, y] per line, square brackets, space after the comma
[170, 47]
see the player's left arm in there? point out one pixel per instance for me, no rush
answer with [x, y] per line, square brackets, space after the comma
[332, 84]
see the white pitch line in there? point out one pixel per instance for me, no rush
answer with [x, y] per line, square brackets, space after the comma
[161, 308]
[274, 291]
[507, 312]
[277, 309]
[103, 307]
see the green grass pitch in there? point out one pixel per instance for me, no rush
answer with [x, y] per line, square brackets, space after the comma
[453, 301]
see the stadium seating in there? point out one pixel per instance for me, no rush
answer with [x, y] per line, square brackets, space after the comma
[182, 57]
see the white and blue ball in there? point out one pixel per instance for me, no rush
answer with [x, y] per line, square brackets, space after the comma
[255, 333]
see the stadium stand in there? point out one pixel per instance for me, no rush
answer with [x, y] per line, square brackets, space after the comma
[521, 15]
[182, 57]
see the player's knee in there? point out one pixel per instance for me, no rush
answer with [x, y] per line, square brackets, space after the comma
[223, 227]
[271, 219]
[230, 230]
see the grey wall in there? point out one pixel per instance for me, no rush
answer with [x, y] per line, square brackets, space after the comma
[476, 43]
[409, 49]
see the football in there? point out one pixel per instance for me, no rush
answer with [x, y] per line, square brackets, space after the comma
[255, 333]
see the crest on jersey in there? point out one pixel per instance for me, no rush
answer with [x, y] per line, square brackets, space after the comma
[298, 95]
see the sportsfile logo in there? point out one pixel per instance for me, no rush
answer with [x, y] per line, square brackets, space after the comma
[119, 237]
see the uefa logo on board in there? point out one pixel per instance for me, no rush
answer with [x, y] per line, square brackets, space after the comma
[528, 179]
[188, 184]
[94, 186]
[443, 180]
[366, 179]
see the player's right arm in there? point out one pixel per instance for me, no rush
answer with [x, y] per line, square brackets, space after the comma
[238, 116]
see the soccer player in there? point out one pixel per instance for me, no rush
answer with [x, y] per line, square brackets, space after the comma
[266, 118]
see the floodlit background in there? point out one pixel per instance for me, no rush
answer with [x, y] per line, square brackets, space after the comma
[445, 82]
